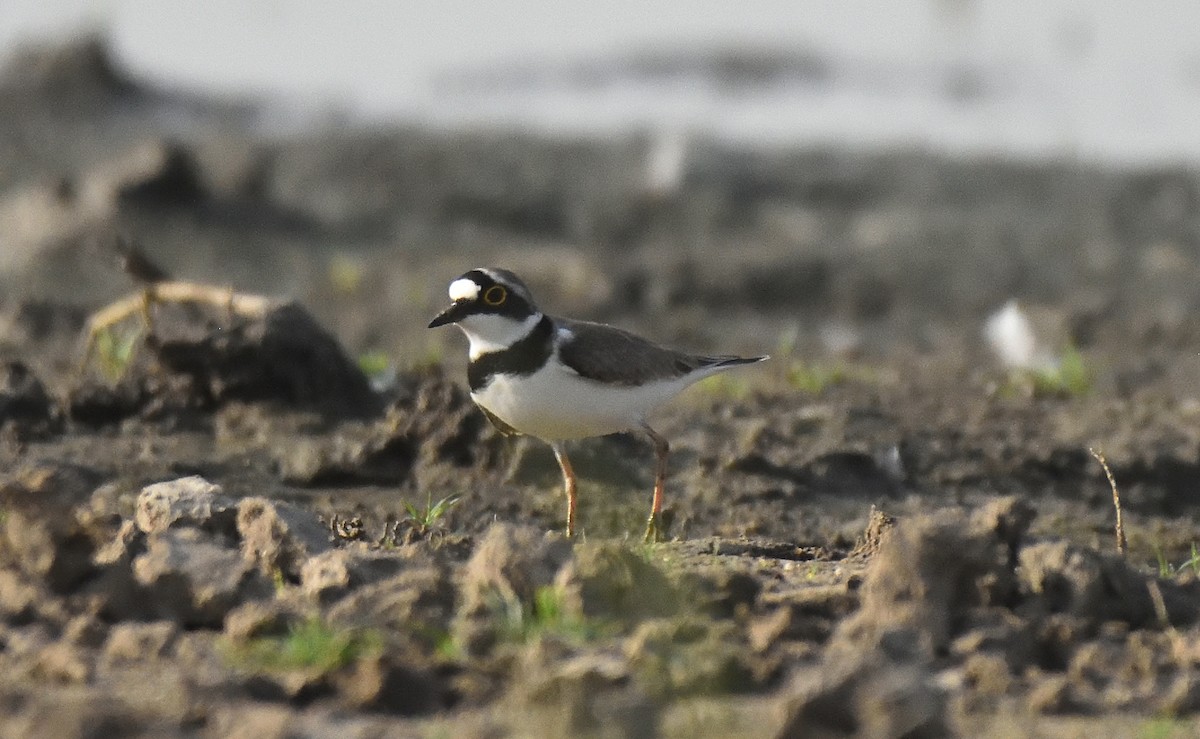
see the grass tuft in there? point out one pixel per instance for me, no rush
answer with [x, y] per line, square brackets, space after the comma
[548, 615]
[1167, 571]
[374, 363]
[311, 645]
[115, 349]
[1167, 727]
[1070, 377]
[430, 515]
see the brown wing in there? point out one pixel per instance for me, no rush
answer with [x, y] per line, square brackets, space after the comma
[609, 354]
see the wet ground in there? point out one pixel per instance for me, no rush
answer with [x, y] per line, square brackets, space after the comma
[274, 511]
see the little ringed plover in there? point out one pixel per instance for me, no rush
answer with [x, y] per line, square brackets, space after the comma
[557, 379]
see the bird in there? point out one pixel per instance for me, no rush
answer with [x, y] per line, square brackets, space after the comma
[558, 379]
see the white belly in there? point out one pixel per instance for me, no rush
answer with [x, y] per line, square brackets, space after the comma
[557, 404]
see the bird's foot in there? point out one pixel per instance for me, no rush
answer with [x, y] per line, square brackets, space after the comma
[654, 531]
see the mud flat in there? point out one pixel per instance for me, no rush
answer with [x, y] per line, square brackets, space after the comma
[277, 513]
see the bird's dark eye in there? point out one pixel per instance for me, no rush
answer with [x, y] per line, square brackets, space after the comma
[495, 295]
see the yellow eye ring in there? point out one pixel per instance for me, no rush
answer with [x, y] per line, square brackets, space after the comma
[495, 295]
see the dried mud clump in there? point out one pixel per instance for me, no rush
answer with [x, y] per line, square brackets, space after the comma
[928, 572]
[957, 610]
[199, 358]
[196, 585]
[187, 501]
[82, 72]
[48, 532]
[430, 435]
[26, 409]
[278, 537]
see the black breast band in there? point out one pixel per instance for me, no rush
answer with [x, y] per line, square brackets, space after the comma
[524, 357]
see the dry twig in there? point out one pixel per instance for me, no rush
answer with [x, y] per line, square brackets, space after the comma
[1122, 543]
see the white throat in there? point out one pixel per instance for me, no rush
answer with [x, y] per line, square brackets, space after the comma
[492, 333]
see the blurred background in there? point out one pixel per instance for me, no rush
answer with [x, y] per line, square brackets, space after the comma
[1111, 80]
[839, 177]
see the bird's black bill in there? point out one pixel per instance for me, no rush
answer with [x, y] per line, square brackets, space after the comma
[453, 314]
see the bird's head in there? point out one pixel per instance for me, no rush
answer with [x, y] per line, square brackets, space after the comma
[492, 307]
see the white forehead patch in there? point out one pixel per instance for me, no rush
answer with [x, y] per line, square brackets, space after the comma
[463, 289]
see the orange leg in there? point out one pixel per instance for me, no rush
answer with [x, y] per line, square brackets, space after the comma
[661, 447]
[568, 483]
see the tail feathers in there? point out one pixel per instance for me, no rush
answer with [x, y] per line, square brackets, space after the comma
[728, 360]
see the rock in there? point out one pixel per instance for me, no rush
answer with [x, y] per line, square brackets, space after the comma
[1182, 696]
[187, 501]
[191, 578]
[94, 403]
[257, 722]
[27, 640]
[139, 642]
[57, 551]
[279, 537]
[26, 410]
[37, 321]
[1138, 671]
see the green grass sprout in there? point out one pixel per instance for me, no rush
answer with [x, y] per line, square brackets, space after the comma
[311, 645]
[374, 363]
[548, 614]
[115, 350]
[425, 518]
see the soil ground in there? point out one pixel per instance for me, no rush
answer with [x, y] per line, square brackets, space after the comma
[880, 532]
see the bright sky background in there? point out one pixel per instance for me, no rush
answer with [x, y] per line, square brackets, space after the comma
[1125, 68]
